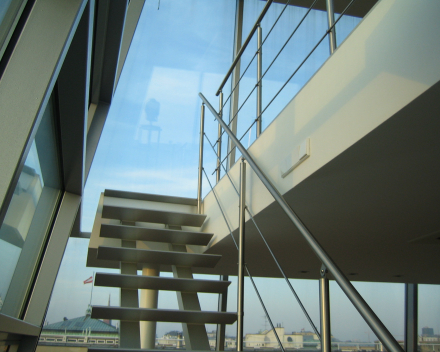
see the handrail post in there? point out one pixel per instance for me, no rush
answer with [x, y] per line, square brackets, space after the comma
[241, 253]
[219, 140]
[259, 78]
[331, 21]
[202, 132]
[411, 314]
[324, 308]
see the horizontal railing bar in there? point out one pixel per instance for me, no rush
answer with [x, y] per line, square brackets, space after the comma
[236, 114]
[306, 58]
[288, 39]
[274, 24]
[242, 75]
[353, 295]
[245, 44]
[265, 72]
[270, 249]
[247, 269]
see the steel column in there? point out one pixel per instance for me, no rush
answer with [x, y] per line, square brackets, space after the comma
[241, 256]
[411, 314]
[202, 131]
[324, 308]
[221, 328]
[219, 139]
[149, 299]
[353, 295]
[259, 78]
[234, 81]
[331, 21]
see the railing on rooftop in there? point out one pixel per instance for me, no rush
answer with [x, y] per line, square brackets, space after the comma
[328, 265]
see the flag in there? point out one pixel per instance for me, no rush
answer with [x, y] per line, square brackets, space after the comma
[89, 280]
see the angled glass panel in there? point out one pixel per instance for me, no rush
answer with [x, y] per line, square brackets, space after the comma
[29, 215]
[10, 11]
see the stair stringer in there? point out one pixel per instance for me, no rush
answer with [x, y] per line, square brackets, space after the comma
[196, 337]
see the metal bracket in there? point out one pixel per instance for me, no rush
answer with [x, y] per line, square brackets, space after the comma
[323, 271]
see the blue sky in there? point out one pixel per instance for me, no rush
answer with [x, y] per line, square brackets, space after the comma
[181, 49]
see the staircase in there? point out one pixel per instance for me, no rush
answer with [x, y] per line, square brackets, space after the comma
[151, 233]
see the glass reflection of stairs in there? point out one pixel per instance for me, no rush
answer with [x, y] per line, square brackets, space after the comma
[168, 225]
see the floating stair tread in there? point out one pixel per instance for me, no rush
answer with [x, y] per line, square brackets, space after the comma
[135, 255]
[150, 197]
[163, 315]
[153, 216]
[134, 233]
[160, 283]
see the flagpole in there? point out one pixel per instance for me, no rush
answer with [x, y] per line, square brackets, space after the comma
[91, 291]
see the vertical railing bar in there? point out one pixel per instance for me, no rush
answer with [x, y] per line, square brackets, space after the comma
[324, 309]
[241, 255]
[219, 140]
[271, 252]
[331, 21]
[247, 269]
[259, 79]
[202, 132]
[363, 308]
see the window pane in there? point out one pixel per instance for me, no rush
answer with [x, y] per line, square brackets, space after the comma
[29, 216]
[429, 318]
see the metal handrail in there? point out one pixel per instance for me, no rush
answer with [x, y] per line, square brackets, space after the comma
[245, 44]
[271, 252]
[353, 295]
[245, 265]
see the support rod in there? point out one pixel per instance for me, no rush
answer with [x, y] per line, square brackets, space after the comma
[324, 308]
[241, 254]
[331, 21]
[363, 308]
[259, 78]
[219, 140]
[411, 315]
[202, 133]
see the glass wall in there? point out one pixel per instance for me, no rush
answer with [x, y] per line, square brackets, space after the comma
[150, 141]
[29, 216]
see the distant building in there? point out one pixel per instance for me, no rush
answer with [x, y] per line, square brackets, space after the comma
[267, 339]
[427, 331]
[429, 342]
[173, 339]
[81, 331]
